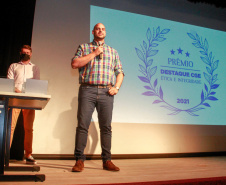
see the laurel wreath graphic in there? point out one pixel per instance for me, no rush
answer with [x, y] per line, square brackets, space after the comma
[148, 50]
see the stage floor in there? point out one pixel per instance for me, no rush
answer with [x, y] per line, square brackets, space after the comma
[58, 172]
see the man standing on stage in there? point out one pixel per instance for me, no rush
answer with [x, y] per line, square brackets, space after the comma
[98, 66]
[20, 72]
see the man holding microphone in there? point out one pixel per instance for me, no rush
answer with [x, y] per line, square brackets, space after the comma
[100, 76]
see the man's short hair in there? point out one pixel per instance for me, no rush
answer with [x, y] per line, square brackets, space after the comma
[26, 47]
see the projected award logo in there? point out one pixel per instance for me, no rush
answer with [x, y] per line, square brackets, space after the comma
[154, 88]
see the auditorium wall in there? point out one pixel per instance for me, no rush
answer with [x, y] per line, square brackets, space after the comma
[59, 27]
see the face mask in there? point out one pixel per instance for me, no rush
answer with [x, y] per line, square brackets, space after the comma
[25, 57]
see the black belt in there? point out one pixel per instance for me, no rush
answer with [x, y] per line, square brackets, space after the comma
[97, 86]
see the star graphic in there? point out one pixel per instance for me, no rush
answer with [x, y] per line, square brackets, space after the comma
[179, 51]
[187, 54]
[172, 52]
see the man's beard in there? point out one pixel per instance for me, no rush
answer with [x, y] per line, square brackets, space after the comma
[99, 37]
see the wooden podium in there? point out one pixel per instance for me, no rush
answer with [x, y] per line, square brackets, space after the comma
[10, 100]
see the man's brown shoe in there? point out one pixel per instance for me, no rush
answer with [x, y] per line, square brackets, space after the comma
[78, 167]
[108, 165]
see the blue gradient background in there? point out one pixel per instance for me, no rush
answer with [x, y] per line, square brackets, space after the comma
[127, 31]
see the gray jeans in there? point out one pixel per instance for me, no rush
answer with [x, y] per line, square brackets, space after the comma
[89, 98]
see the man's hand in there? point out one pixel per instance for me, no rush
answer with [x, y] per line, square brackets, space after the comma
[113, 91]
[17, 90]
[98, 50]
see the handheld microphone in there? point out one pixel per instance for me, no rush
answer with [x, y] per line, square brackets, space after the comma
[101, 54]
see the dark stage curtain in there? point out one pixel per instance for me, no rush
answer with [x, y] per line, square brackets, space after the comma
[16, 30]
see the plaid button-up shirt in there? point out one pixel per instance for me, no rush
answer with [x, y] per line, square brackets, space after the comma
[99, 71]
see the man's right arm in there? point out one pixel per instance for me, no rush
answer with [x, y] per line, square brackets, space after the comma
[82, 61]
[10, 73]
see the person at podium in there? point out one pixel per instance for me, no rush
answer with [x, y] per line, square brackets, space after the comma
[100, 76]
[21, 71]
